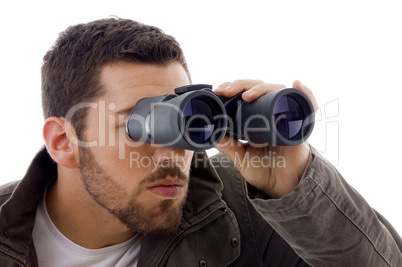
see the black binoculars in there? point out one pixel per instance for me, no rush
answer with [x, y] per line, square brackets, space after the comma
[195, 118]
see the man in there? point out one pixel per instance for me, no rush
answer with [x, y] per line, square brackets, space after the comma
[93, 197]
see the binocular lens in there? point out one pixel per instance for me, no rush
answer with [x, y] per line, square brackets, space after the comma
[198, 120]
[289, 117]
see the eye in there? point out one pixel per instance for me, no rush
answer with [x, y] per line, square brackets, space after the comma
[120, 121]
[123, 125]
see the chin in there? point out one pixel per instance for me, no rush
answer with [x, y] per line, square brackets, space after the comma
[168, 221]
[164, 219]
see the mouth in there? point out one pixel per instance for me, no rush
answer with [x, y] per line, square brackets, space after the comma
[167, 189]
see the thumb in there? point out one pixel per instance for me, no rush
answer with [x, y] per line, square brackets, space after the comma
[298, 85]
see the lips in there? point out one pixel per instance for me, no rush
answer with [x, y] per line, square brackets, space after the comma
[167, 188]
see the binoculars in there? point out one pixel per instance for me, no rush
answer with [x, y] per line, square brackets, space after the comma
[195, 118]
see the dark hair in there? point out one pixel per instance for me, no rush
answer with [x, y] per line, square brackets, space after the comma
[71, 67]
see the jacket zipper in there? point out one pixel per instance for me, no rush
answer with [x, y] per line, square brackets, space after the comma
[9, 258]
[214, 216]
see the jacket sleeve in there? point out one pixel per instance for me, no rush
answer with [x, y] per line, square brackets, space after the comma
[328, 223]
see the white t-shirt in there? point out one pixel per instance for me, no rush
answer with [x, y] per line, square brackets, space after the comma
[54, 249]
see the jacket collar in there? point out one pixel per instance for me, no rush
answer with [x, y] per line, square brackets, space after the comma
[18, 213]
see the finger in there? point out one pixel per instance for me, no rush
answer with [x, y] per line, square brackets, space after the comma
[222, 86]
[236, 87]
[298, 85]
[230, 147]
[259, 90]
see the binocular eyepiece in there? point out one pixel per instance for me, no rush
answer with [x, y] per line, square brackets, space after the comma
[195, 118]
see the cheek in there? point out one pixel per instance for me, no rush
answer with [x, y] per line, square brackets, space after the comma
[127, 168]
[132, 164]
[131, 152]
[115, 146]
[138, 158]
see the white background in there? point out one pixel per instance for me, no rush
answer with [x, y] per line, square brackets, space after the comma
[348, 52]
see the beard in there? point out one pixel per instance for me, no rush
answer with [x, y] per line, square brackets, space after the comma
[165, 217]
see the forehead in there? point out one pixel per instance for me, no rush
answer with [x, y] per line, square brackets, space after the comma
[126, 83]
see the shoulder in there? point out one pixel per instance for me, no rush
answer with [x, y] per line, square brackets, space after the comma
[6, 190]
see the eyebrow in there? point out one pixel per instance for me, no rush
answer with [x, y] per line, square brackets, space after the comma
[124, 111]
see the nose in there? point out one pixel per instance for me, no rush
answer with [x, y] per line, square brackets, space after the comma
[166, 155]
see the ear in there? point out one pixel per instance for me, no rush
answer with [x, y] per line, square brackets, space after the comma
[57, 134]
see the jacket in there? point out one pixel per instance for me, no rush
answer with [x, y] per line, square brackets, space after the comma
[227, 222]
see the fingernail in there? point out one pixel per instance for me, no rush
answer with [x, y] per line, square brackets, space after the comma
[229, 87]
[301, 84]
[249, 92]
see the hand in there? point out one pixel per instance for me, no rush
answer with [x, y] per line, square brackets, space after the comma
[280, 167]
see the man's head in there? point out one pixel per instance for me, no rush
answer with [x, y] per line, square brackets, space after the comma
[110, 65]
[71, 68]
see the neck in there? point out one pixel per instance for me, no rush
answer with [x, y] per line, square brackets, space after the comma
[79, 217]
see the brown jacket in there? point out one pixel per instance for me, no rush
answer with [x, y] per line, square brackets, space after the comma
[323, 222]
